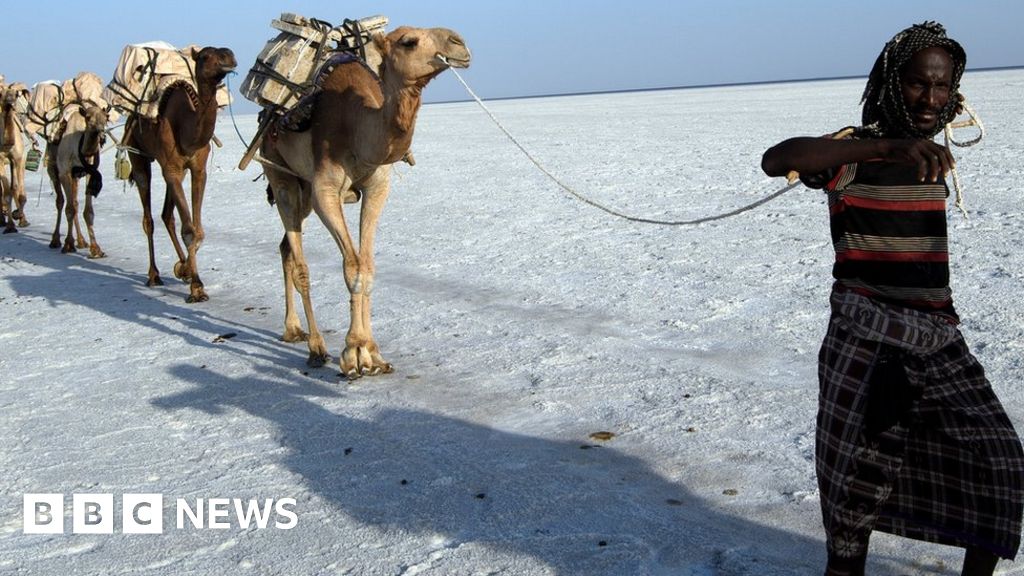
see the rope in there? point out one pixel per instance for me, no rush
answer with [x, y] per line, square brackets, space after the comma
[947, 134]
[39, 193]
[231, 111]
[601, 207]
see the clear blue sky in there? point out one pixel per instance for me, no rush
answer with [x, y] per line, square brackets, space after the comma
[532, 47]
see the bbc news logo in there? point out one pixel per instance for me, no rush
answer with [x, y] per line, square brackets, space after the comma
[144, 513]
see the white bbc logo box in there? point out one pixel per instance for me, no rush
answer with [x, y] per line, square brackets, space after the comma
[94, 513]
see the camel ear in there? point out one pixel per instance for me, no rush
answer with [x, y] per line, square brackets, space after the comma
[194, 53]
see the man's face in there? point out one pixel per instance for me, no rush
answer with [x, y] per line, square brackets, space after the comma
[926, 83]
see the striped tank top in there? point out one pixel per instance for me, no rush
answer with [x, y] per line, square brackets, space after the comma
[889, 234]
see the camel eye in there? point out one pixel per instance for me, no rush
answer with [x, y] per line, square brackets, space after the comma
[409, 42]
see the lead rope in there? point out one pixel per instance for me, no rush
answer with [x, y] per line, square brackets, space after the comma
[793, 181]
[586, 200]
[947, 134]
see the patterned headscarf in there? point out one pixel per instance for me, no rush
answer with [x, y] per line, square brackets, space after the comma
[885, 113]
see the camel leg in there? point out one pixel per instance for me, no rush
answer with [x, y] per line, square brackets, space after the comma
[167, 217]
[194, 238]
[18, 187]
[58, 191]
[297, 278]
[292, 326]
[94, 248]
[293, 206]
[70, 186]
[357, 358]
[175, 200]
[3, 197]
[79, 237]
[142, 176]
[375, 194]
[6, 218]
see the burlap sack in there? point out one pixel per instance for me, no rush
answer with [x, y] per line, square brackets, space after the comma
[44, 108]
[144, 72]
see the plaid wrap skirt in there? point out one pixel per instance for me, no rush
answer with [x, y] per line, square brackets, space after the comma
[911, 438]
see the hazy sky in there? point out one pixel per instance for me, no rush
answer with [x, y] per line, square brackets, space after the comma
[532, 47]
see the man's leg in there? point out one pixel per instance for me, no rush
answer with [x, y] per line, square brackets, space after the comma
[979, 562]
[841, 566]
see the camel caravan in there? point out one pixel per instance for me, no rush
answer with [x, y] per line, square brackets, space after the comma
[339, 107]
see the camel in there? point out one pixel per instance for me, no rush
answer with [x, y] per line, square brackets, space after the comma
[12, 154]
[179, 140]
[77, 154]
[361, 123]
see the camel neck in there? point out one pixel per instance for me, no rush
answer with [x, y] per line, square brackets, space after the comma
[206, 115]
[402, 104]
[8, 126]
[91, 141]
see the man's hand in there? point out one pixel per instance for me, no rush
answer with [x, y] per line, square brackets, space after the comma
[933, 160]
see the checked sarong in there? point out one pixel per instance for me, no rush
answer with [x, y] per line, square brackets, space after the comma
[911, 438]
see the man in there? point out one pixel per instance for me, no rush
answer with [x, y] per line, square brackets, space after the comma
[911, 439]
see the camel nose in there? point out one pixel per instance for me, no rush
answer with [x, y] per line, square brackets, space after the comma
[230, 63]
[458, 54]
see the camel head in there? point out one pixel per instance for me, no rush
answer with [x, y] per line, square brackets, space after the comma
[96, 119]
[213, 64]
[417, 55]
[11, 94]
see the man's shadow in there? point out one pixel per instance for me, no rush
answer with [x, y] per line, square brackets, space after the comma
[573, 506]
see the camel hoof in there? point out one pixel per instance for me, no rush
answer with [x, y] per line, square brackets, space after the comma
[96, 254]
[197, 297]
[154, 281]
[10, 230]
[179, 268]
[54, 244]
[317, 360]
[81, 244]
[377, 370]
[68, 249]
[23, 223]
[295, 336]
[366, 360]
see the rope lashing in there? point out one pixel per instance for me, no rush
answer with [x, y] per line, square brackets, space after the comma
[601, 207]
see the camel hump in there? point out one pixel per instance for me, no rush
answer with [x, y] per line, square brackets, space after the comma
[338, 60]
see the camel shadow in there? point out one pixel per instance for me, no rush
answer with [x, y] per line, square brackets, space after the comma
[561, 506]
[102, 287]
